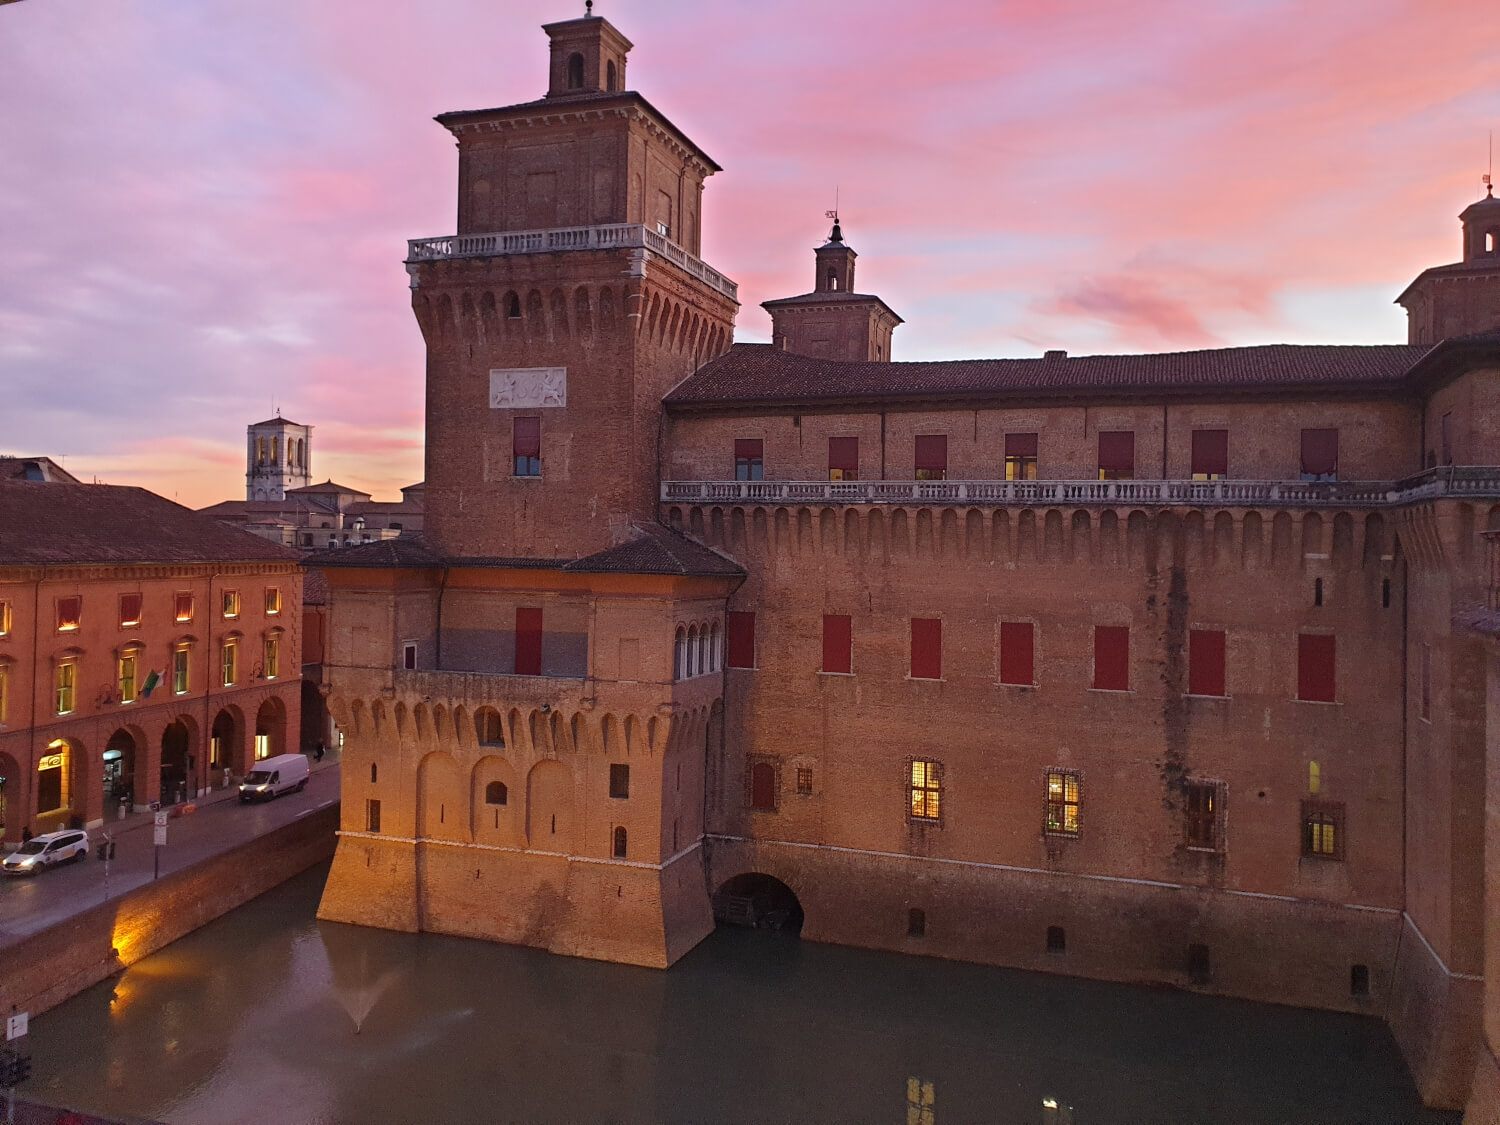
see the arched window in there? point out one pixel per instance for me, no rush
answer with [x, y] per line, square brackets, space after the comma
[260, 451]
[679, 655]
[495, 793]
[619, 843]
[691, 654]
[715, 649]
[489, 728]
[575, 71]
[276, 450]
[833, 279]
[703, 665]
[610, 80]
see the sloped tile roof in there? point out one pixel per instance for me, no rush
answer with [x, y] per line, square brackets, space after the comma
[57, 524]
[407, 552]
[760, 373]
[655, 549]
[314, 587]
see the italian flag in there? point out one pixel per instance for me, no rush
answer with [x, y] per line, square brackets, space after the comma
[153, 678]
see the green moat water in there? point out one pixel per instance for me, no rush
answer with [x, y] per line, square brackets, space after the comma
[253, 1019]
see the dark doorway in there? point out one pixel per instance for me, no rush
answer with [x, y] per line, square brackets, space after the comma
[174, 764]
[119, 772]
[760, 901]
[223, 746]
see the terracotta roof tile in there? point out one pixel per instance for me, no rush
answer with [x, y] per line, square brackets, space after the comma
[657, 550]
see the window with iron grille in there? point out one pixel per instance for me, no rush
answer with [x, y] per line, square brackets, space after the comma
[926, 790]
[1062, 802]
[1323, 829]
[804, 781]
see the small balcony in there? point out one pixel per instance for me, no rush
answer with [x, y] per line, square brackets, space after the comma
[1480, 483]
[609, 236]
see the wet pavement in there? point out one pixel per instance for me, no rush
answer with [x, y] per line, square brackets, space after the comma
[270, 1016]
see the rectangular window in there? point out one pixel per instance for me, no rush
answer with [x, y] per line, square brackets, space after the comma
[1112, 657]
[4, 693]
[69, 614]
[1202, 814]
[749, 459]
[1323, 829]
[926, 790]
[838, 643]
[1447, 438]
[1206, 662]
[273, 657]
[180, 671]
[127, 677]
[932, 457]
[762, 784]
[1116, 454]
[1017, 653]
[273, 600]
[1315, 667]
[619, 781]
[1210, 454]
[230, 662]
[1062, 803]
[231, 604]
[804, 781]
[741, 629]
[843, 458]
[1320, 455]
[4, 619]
[926, 648]
[526, 446]
[1426, 712]
[409, 656]
[372, 815]
[130, 609]
[66, 684]
[183, 608]
[528, 642]
[1020, 456]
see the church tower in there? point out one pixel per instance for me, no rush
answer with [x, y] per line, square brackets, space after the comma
[1464, 297]
[833, 321]
[278, 455]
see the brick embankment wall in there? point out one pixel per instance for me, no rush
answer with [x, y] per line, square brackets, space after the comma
[47, 968]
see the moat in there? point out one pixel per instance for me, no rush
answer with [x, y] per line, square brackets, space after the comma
[270, 1016]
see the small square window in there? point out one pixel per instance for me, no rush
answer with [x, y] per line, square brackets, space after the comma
[619, 781]
[231, 603]
[130, 609]
[69, 614]
[273, 600]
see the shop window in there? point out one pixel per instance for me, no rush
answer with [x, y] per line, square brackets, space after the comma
[1112, 657]
[1320, 455]
[1323, 829]
[741, 628]
[130, 609]
[1020, 456]
[1116, 454]
[619, 781]
[749, 459]
[528, 642]
[526, 446]
[1210, 454]
[926, 790]
[69, 614]
[1203, 815]
[838, 643]
[926, 648]
[182, 609]
[1017, 653]
[1206, 662]
[1062, 802]
[843, 458]
[932, 457]
[1315, 667]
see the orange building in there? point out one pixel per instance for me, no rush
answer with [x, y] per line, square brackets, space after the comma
[1134, 667]
[144, 650]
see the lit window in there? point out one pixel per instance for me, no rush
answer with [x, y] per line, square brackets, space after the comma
[69, 614]
[130, 609]
[262, 746]
[926, 790]
[4, 692]
[804, 781]
[230, 653]
[273, 657]
[843, 458]
[183, 608]
[231, 603]
[921, 1099]
[273, 601]
[1062, 802]
[1203, 815]
[4, 619]
[127, 676]
[1323, 829]
[66, 684]
[180, 670]
[1020, 456]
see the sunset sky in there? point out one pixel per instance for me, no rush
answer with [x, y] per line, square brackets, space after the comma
[204, 204]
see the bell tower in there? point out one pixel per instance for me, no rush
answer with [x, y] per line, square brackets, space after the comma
[1464, 297]
[833, 321]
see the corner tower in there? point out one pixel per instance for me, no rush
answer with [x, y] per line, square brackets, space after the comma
[570, 300]
[1464, 297]
[833, 321]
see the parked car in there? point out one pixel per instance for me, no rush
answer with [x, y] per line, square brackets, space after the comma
[47, 851]
[274, 776]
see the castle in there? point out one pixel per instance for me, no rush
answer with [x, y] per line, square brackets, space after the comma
[1171, 667]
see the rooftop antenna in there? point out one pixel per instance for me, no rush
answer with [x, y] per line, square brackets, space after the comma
[1488, 179]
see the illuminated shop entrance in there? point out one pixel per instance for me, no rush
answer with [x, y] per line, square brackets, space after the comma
[52, 779]
[119, 771]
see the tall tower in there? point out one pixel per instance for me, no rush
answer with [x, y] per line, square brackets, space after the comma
[1464, 297]
[833, 321]
[570, 301]
[278, 453]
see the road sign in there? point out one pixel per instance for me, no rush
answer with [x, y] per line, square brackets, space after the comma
[161, 820]
[160, 837]
[15, 1026]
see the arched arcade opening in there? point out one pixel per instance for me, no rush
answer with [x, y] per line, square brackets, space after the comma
[760, 901]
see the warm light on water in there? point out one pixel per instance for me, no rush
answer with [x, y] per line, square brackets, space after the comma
[269, 1016]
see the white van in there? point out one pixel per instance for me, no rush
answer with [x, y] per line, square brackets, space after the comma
[272, 777]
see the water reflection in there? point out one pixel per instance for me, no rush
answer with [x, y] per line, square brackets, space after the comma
[269, 1016]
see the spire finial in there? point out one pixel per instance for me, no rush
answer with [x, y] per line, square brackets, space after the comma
[588, 8]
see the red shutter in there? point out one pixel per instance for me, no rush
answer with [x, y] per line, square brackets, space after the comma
[1206, 662]
[1112, 657]
[748, 449]
[926, 648]
[1117, 451]
[1016, 650]
[741, 646]
[1020, 445]
[1315, 678]
[843, 453]
[528, 437]
[932, 452]
[762, 786]
[1320, 453]
[838, 637]
[528, 640]
[1211, 452]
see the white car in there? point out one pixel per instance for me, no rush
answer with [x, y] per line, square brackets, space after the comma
[47, 851]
